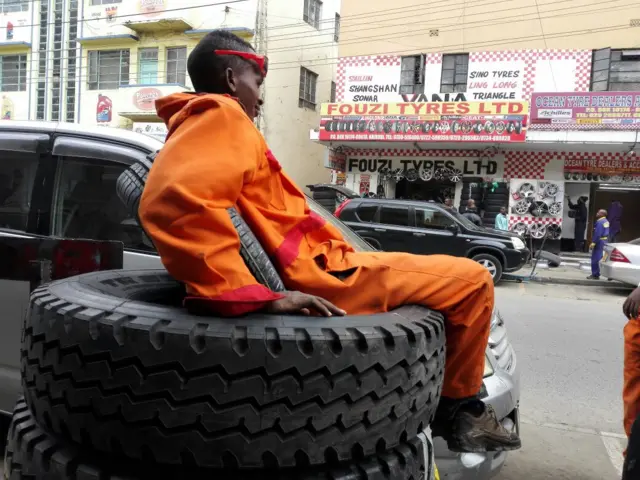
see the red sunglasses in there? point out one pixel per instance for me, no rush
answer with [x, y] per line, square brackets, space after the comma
[261, 60]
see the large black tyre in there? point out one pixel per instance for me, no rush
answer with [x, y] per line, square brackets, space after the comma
[35, 454]
[129, 189]
[108, 369]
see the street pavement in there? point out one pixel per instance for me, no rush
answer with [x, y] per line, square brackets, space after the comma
[569, 345]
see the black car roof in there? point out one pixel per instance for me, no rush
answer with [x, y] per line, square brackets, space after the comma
[412, 203]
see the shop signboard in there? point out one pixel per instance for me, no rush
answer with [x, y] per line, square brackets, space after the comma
[495, 121]
[586, 111]
[602, 166]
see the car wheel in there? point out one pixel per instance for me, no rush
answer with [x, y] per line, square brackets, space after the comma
[112, 361]
[491, 263]
[33, 453]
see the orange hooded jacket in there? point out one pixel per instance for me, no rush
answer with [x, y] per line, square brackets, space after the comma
[215, 158]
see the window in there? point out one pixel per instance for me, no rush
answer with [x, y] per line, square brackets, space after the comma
[17, 175]
[366, 213]
[332, 99]
[147, 66]
[615, 70]
[336, 29]
[104, 2]
[312, 12]
[395, 216]
[86, 204]
[307, 95]
[428, 218]
[455, 69]
[108, 69]
[13, 73]
[10, 6]
[412, 74]
[43, 47]
[177, 65]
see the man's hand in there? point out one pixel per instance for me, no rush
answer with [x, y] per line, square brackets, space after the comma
[592, 246]
[301, 303]
[632, 304]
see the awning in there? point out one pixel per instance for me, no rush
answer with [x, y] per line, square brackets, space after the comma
[108, 39]
[550, 141]
[7, 48]
[176, 24]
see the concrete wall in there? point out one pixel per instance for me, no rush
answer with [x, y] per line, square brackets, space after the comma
[380, 26]
[291, 44]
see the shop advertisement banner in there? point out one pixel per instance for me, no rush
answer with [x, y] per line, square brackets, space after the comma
[587, 111]
[602, 166]
[425, 121]
[487, 167]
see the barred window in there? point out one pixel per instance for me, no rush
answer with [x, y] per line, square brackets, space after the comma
[307, 95]
[108, 69]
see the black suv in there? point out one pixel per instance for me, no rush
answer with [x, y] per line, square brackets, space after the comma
[430, 228]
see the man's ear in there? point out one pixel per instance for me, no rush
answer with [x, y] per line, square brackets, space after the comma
[230, 79]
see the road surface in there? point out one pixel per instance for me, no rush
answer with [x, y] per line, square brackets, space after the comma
[569, 346]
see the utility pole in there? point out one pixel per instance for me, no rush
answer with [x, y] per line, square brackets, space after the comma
[261, 40]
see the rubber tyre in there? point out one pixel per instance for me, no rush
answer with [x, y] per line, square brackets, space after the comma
[107, 369]
[129, 188]
[553, 259]
[485, 257]
[35, 454]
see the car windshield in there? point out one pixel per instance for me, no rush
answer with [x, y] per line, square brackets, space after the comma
[355, 240]
[465, 221]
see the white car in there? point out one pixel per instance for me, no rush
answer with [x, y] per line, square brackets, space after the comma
[621, 262]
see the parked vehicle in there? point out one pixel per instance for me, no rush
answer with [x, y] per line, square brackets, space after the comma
[621, 262]
[427, 228]
[68, 188]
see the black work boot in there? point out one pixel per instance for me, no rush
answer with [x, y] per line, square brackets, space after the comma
[468, 425]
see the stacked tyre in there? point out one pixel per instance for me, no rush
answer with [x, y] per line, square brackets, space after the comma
[120, 382]
[493, 201]
[472, 189]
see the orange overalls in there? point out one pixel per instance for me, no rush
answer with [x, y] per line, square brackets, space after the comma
[631, 388]
[215, 158]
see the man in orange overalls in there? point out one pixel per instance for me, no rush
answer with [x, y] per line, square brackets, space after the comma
[631, 388]
[215, 158]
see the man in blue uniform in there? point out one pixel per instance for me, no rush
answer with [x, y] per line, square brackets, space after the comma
[598, 241]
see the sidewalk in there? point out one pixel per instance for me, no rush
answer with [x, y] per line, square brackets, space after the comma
[574, 272]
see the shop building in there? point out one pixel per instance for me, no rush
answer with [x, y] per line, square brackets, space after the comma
[105, 62]
[518, 129]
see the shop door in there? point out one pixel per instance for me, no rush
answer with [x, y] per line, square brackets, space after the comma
[630, 201]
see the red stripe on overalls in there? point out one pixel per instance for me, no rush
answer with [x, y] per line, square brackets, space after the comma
[289, 249]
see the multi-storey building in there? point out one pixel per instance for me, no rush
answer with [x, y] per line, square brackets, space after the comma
[441, 73]
[104, 62]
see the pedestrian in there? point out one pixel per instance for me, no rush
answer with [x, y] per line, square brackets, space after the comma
[580, 217]
[631, 386]
[471, 213]
[502, 222]
[215, 158]
[449, 204]
[598, 241]
[615, 219]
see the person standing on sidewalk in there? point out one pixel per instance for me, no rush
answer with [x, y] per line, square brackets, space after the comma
[631, 386]
[598, 241]
[580, 217]
[502, 222]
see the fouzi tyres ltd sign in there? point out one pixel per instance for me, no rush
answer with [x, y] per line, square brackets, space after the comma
[496, 121]
[475, 167]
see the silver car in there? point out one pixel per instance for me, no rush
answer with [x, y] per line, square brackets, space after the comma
[621, 262]
[63, 168]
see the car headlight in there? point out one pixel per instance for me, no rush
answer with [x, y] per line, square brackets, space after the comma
[488, 369]
[518, 244]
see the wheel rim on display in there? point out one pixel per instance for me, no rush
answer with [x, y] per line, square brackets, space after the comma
[627, 178]
[500, 127]
[554, 232]
[521, 207]
[441, 173]
[489, 127]
[455, 175]
[397, 175]
[538, 230]
[411, 175]
[551, 189]
[538, 209]
[555, 209]
[604, 178]
[527, 190]
[489, 265]
[385, 173]
[616, 178]
[426, 175]
[519, 229]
